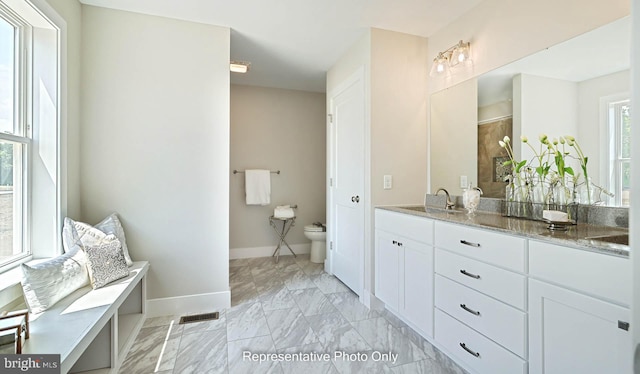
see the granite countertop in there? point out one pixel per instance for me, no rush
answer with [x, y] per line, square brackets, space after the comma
[573, 237]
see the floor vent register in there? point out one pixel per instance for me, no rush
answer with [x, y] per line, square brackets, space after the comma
[199, 318]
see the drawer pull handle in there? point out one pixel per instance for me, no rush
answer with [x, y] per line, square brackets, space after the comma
[464, 346]
[474, 276]
[474, 312]
[471, 244]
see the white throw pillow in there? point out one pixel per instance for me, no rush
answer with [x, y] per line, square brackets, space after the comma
[106, 263]
[69, 235]
[48, 282]
[83, 234]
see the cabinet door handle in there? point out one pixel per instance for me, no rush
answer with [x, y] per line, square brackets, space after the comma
[623, 325]
[464, 346]
[394, 242]
[399, 244]
[474, 276]
[471, 244]
[474, 312]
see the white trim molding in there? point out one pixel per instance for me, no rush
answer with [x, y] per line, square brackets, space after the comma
[251, 252]
[189, 304]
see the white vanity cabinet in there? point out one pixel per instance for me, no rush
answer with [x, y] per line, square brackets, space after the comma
[498, 302]
[480, 297]
[404, 267]
[578, 314]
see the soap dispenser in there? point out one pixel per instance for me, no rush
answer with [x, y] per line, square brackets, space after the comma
[471, 199]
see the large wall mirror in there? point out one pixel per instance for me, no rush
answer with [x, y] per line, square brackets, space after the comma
[580, 87]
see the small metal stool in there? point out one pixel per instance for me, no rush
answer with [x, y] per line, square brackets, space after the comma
[287, 224]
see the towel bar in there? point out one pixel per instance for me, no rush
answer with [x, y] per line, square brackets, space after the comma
[272, 171]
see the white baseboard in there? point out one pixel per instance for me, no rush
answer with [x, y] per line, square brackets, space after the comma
[190, 304]
[235, 253]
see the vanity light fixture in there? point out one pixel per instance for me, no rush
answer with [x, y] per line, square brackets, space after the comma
[239, 66]
[460, 53]
[451, 57]
[439, 64]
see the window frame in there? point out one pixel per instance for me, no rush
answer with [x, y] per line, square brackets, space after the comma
[613, 121]
[619, 159]
[22, 131]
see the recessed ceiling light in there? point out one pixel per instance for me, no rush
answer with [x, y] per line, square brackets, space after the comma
[239, 66]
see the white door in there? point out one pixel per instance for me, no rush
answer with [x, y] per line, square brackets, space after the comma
[574, 333]
[347, 108]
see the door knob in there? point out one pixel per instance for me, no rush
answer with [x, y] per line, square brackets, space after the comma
[355, 199]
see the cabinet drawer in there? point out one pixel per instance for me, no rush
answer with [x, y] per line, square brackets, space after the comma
[408, 226]
[492, 247]
[598, 274]
[484, 355]
[498, 321]
[502, 284]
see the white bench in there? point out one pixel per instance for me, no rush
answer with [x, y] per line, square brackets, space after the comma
[93, 329]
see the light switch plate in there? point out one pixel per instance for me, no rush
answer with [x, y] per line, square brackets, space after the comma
[388, 182]
[463, 181]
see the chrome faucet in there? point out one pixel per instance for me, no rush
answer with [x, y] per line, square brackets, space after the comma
[448, 204]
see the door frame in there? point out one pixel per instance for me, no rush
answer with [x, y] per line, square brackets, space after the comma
[366, 255]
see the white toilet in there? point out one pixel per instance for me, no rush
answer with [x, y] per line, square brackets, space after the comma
[318, 238]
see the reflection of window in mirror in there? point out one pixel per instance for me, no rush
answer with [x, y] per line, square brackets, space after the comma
[619, 129]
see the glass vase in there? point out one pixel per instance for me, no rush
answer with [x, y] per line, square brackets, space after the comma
[585, 193]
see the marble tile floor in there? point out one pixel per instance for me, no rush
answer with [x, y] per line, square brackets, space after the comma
[294, 307]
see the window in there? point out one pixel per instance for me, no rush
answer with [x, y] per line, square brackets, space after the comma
[14, 139]
[620, 150]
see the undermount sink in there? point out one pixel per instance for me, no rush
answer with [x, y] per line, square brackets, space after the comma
[432, 209]
[615, 239]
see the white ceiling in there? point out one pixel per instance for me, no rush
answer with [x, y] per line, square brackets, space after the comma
[292, 43]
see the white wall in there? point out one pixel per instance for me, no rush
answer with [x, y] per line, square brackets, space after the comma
[155, 149]
[592, 131]
[282, 130]
[71, 13]
[399, 70]
[454, 137]
[44, 162]
[542, 106]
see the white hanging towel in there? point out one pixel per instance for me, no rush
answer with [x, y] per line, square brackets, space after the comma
[258, 187]
[284, 212]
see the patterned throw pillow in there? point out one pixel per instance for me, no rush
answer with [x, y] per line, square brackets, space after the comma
[46, 283]
[76, 232]
[106, 263]
[112, 225]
